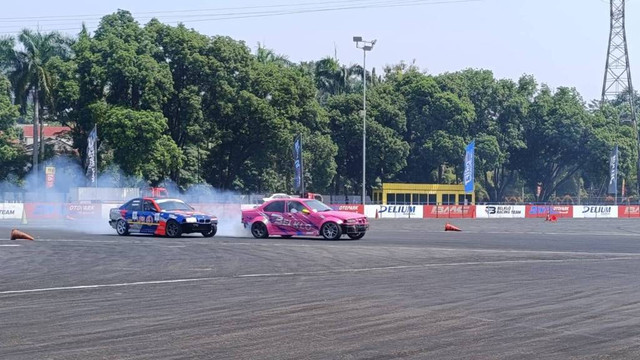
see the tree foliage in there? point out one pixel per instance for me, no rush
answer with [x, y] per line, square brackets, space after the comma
[171, 103]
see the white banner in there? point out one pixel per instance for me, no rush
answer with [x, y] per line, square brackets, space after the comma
[500, 211]
[11, 211]
[595, 211]
[394, 211]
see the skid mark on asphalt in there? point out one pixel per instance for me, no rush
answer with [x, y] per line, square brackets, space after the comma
[310, 273]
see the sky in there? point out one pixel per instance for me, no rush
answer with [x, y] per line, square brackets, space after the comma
[559, 42]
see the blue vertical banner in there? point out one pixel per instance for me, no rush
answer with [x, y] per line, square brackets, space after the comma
[613, 171]
[469, 167]
[298, 179]
[92, 159]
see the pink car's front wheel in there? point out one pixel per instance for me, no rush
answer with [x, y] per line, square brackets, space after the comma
[331, 231]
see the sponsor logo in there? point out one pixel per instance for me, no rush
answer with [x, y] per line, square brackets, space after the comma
[502, 210]
[279, 220]
[450, 209]
[398, 209]
[537, 210]
[632, 210]
[354, 208]
[596, 209]
[7, 212]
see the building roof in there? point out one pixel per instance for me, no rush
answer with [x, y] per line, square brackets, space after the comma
[49, 131]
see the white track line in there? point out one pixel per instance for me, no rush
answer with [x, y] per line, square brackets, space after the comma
[310, 273]
[10, 245]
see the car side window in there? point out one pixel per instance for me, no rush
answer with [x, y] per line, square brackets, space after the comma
[295, 207]
[134, 205]
[148, 206]
[276, 206]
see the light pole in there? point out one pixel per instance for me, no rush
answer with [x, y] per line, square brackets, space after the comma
[365, 46]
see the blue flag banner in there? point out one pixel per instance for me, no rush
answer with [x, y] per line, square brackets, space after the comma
[469, 167]
[613, 171]
[298, 182]
[92, 163]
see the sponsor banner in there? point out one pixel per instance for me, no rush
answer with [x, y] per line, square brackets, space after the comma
[350, 208]
[449, 211]
[541, 211]
[83, 211]
[632, 211]
[595, 211]
[44, 211]
[500, 211]
[394, 211]
[11, 211]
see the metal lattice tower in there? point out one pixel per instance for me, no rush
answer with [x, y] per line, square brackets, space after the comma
[617, 74]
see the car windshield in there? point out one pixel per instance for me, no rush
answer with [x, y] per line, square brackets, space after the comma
[173, 205]
[317, 205]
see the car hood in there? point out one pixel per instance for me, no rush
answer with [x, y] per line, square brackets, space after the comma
[343, 215]
[187, 213]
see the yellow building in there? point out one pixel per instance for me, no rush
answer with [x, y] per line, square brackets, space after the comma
[422, 194]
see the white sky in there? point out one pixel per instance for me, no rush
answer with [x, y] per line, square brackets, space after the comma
[560, 42]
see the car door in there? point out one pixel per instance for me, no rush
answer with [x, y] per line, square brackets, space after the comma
[275, 212]
[134, 208]
[297, 218]
[148, 217]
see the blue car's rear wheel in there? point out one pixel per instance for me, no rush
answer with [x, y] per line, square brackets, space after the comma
[122, 228]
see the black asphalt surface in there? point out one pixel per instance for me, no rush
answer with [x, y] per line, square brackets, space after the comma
[500, 289]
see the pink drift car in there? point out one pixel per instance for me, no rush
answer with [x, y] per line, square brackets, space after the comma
[305, 217]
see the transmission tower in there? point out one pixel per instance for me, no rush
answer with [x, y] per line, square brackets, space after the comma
[617, 72]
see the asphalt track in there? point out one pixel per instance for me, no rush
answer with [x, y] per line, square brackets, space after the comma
[501, 289]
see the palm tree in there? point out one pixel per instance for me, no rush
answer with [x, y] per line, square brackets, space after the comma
[267, 56]
[26, 67]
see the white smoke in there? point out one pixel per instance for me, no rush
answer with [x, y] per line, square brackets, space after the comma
[70, 175]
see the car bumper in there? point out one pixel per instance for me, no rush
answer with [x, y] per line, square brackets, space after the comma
[197, 227]
[113, 223]
[354, 228]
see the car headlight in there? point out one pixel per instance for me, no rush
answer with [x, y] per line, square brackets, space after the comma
[191, 220]
[351, 221]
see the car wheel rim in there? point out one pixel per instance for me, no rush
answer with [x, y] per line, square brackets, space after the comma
[330, 230]
[257, 231]
[172, 229]
[121, 227]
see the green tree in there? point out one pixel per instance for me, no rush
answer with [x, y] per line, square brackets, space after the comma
[139, 144]
[12, 157]
[27, 67]
[557, 132]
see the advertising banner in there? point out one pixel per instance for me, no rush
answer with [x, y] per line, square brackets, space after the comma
[500, 211]
[613, 171]
[92, 160]
[394, 211]
[595, 211]
[44, 211]
[11, 211]
[449, 211]
[75, 211]
[541, 211]
[350, 208]
[298, 172]
[50, 176]
[632, 211]
[469, 177]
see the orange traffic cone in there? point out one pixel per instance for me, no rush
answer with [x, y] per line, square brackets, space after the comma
[449, 227]
[17, 235]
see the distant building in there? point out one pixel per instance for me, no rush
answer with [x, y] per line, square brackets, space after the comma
[57, 138]
[422, 194]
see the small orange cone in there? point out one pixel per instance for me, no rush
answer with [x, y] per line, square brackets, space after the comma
[449, 227]
[376, 213]
[17, 235]
[551, 218]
